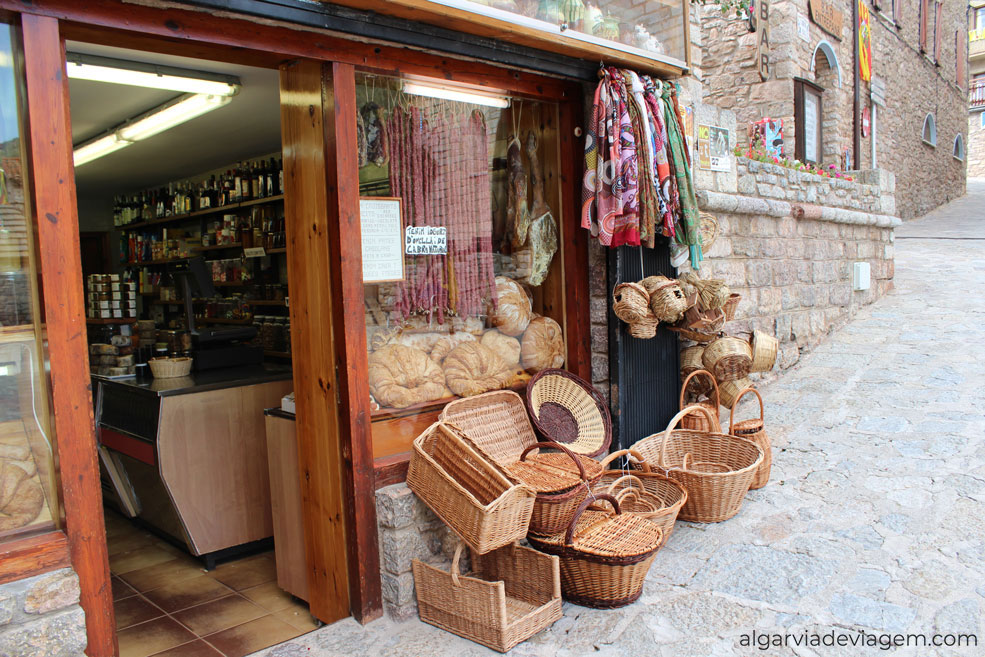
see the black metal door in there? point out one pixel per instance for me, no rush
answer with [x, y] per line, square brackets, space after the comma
[645, 372]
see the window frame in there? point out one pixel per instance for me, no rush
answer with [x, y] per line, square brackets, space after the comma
[958, 150]
[929, 121]
[801, 88]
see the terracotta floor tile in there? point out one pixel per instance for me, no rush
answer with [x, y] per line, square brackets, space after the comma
[161, 574]
[194, 649]
[298, 617]
[248, 572]
[142, 557]
[219, 615]
[121, 589]
[250, 637]
[187, 593]
[152, 637]
[125, 541]
[134, 610]
[269, 596]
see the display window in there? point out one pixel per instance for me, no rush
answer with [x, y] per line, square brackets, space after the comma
[461, 246]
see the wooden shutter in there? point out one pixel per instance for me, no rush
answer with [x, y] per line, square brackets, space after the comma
[923, 25]
[938, 30]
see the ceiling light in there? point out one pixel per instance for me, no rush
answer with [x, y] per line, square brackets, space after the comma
[455, 94]
[171, 115]
[96, 149]
[138, 74]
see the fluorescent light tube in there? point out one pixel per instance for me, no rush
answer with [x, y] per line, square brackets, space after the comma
[136, 74]
[170, 116]
[455, 94]
[96, 149]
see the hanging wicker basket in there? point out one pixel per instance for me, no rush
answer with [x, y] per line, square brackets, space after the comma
[604, 557]
[716, 469]
[764, 348]
[713, 293]
[728, 358]
[568, 410]
[697, 421]
[630, 303]
[729, 391]
[667, 301]
[731, 305]
[510, 595]
[754, 430]
[691, 362]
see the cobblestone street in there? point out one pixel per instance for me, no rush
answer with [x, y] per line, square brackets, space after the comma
[874, 518]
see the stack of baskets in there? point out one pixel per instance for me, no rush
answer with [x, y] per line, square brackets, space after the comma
[645, 304]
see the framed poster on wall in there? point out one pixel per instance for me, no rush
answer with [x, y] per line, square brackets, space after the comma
[808, 112]
[382, 239]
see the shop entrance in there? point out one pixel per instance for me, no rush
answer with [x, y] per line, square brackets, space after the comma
[179, 170]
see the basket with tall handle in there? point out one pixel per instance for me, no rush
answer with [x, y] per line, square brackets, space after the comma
[754, 429]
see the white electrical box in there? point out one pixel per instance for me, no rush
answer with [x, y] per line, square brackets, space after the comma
[287, 403]
[861, 276]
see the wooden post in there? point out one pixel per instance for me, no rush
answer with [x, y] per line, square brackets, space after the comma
[54, 207]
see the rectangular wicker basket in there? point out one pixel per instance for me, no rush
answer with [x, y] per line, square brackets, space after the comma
[511, 594]
[469, 492]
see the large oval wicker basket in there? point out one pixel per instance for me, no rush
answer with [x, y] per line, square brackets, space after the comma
[568, 410]
[715, 468]
[755, 430]
[697, 421]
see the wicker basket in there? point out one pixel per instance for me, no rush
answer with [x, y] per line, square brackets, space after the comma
[630, 303]
[469, 492]
[667, 301]
[731, 306]
[755, 431]
[764, 348]
[568, 410]
[729, 391]
[604, 557]
[695, 421]
[716, 469]
[512, 594]
[559, 492]
[713, 293]
[170, 368]
[657, 498]
[727, 358]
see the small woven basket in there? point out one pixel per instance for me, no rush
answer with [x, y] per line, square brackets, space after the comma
[716, 469]
[728, 358]
[513, 593]
[667, 301]
[469, 492]
[713, 293]
[754, 430]
[630, 302]
[697, 421]
[170, 368]
[691, 362]
[559, 492]
[639, 490]
[568, 410]
[731, 305]
[729, 391]
[604, 557]
[764, 348]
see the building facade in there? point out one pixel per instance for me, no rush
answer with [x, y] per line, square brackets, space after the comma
[976, 89]
[800, 59]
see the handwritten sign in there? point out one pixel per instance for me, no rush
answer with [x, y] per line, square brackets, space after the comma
[828, 17]
[254, 252]
[382, 228]
[426, 240]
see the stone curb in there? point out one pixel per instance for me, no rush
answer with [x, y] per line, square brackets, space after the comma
[734, 203]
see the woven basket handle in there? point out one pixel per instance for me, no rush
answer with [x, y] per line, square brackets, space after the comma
[554, 445]
[455, 564]
[625, 479]
[712, 418]
[644, 466]
[714, 385]
[591, 499]
[631, 493]
[735, 405]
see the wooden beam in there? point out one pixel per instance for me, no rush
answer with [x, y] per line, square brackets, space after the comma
[54, 206]
[391, 469]
[345, 246]
[35, 555]
[307, 214]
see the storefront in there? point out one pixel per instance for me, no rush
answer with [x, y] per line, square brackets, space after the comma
[416, 213]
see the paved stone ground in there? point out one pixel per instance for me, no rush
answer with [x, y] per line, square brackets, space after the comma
[874, 518]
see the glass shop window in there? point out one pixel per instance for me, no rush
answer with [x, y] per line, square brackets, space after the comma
[461, 246]
[655, 27]
[28, 494]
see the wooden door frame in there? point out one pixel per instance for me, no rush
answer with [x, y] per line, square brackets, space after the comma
[197, 34]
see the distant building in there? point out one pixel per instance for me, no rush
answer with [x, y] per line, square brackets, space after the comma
[798, 66]
[976, 88]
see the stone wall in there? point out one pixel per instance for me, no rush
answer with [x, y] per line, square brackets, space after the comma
[975, 146]
[40, 616]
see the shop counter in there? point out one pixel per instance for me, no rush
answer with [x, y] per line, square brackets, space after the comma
[188, 456]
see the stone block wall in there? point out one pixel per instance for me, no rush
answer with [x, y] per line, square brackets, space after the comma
[40, 616]
[975, 146]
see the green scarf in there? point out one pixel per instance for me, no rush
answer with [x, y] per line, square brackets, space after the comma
[691, 235]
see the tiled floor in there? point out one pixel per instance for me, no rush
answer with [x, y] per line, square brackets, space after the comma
[168, 606]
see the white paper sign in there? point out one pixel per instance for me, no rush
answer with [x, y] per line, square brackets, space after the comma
[381, 226]
[803, 28]
[254, 252]
[810, 128]
[426, 240]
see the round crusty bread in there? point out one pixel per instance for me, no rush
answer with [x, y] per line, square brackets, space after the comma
[513, 307]
[472, 368]
[21, 497]
[507, 347]
[444, 345]
[542, 345]
[401, 376]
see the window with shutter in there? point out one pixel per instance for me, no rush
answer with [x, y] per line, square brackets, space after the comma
[938, 30]
[923, 25]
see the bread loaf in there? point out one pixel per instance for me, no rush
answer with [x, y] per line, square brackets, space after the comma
[445, 344]
[513, 307]
[506, 347]
[472, 368]
[542, 345]
[401, 376]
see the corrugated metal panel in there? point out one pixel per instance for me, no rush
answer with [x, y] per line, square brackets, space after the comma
[645, 372]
